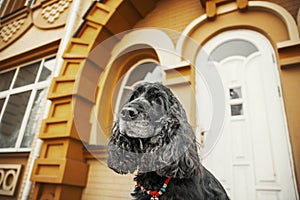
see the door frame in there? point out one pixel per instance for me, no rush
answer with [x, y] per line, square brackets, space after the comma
[263, 45]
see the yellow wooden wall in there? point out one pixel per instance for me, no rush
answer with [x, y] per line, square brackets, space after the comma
[103, 183]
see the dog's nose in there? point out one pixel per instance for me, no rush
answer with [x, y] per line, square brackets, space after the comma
[129, 113]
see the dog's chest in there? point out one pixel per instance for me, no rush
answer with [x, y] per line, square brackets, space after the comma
[174, 190]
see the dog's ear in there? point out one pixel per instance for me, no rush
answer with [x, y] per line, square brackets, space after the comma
[177, 158]
[184, 159]
[187, 161]
[121, 156]
[177, 155]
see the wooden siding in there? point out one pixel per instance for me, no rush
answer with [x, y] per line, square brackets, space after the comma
[103, 183]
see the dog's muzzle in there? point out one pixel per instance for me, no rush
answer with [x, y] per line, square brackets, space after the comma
[129, 113]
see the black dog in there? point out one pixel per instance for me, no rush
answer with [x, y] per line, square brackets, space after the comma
[152, 135]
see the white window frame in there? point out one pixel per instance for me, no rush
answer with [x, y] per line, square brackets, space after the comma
[33, 87]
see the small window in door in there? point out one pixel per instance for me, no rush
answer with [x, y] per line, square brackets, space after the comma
[236, 101]
[235, 93]
[237, 110]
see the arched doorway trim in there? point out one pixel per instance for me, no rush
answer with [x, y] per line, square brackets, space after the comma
[279, 11]
[153, 37]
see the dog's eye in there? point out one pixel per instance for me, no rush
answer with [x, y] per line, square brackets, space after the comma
[158, 100]
[133, 96]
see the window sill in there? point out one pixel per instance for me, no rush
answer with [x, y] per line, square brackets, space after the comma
[14, 154]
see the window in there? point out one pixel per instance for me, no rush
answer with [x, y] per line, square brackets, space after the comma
[147, 70]
[232, 48]
[10, 6]
[22, 95]
[236, 101]
[233, 52]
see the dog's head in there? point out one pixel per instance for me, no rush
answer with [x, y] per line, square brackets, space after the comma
[148, 108]
[152, 132]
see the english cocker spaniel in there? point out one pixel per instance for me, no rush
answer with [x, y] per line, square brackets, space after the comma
[153, 136]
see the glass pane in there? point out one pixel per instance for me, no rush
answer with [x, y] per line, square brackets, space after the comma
[235, 93]
[7, 7]
[157, 75]
[5, 80]
[236, 109]
[140, 72]
[2, 6]
[47, 69]
[27, 75]
[232, 48]
[1, 104]
[19, 4]
[34, 118]
[12, 119]
[10, 6]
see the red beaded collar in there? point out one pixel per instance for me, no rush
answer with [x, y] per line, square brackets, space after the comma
[153, 193]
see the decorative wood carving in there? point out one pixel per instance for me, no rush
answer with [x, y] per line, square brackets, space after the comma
[14, 28]
[44, 15]
[9, 176]
[52, 12]
[211, 6]
[8, 30]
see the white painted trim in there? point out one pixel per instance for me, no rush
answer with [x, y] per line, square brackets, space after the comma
[33, 87]
[29, 2]
[25, 119]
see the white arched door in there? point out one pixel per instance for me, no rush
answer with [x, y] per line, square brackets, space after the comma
[251, 156]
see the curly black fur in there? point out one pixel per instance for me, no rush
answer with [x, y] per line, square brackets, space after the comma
[152, 133]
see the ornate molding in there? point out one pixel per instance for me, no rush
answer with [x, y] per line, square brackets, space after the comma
[211, 6]
[14, 28]
[9, 176]
[43, 15]
[8, 30]
[52, 12]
